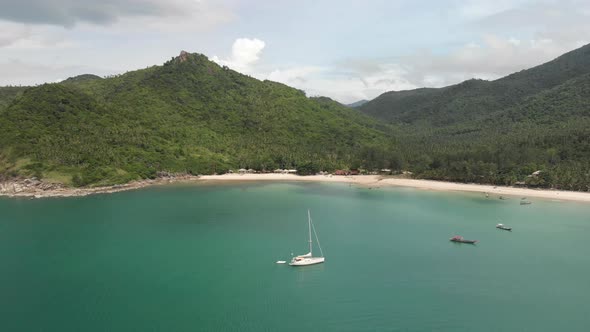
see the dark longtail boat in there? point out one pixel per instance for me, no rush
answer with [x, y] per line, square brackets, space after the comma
[502, 226]
[460, 239]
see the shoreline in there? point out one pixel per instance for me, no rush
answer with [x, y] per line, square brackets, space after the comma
[30, 189]
[36, 189]
[378, 181]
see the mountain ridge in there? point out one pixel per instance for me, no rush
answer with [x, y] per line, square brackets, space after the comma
[188, 115]
[450, 104]
[192, 116]
[500, 132]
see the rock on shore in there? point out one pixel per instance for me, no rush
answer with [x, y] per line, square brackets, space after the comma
[35, 188]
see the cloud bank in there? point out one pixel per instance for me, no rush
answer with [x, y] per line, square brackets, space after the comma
[245, 52]
[398, 46]
[67, 13]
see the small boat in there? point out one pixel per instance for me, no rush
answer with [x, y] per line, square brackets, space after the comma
[525, 202]
[460, 239]
[308, 258]
[281, 262]
[502, 226]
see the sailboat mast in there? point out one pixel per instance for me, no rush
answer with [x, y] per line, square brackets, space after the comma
[309, 221]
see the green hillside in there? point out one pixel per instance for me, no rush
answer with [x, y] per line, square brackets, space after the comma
[501, 131]
[8, 94]
[192, 116]
[358, 103]
[475, 98]
[81, 78]
[189, 115]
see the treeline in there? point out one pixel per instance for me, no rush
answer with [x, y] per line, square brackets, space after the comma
[192, 116]
[561, 158]
[549, 132]
[189, 116]
[498, 132]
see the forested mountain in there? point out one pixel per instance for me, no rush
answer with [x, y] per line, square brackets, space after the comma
[192, 116]
[189, 115]
[358, 103]
[475, 98]
[81, 78]
[500, 131]
[8, 94]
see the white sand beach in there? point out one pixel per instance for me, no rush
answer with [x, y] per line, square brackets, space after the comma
[19, 189]
[377, 181]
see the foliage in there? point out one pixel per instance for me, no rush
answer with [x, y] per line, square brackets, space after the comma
[473, 99]
[192, 116]
[8, 94]
[189, 116]
[499, 132]
[309, 168]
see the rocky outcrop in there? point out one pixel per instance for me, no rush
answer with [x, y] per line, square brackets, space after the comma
[34, 188]
[183, 56]
[27, 186]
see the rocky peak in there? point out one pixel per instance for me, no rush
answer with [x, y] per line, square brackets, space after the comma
[183, 56]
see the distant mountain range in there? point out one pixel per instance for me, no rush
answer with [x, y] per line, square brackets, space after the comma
[499, 131]
[191, 115]
[473, 99]
[358, 103]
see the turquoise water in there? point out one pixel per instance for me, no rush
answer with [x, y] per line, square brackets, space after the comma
[202, 258]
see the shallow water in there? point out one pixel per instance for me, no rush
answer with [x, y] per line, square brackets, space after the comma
[202, 258]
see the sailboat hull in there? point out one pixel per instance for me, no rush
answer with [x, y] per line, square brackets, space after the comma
[307, 261]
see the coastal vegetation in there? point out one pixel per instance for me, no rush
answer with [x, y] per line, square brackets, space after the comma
[188, 116]
[499, 132]
[192, 116]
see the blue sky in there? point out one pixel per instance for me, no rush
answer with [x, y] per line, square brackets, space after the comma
[347, 50]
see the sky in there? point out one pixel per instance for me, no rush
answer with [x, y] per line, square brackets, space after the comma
[346, 50]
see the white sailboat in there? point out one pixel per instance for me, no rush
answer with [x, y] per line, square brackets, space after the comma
[308, 258]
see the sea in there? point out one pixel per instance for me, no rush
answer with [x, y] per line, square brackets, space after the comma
[203, 258]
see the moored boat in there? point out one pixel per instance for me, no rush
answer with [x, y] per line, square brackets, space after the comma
[309, 259]
[504, 227]
[460, 239]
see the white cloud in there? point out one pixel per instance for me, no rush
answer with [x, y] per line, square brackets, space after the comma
[477, 9]
[493, 58]
[514, 41]
[245, 53]
[294, 75]
[68, 13]
[564, 21]
[493, 39]
[185, 16]
[347, 81]
[346, 86]
[11, 33]
[31, 74]
[21, 36]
